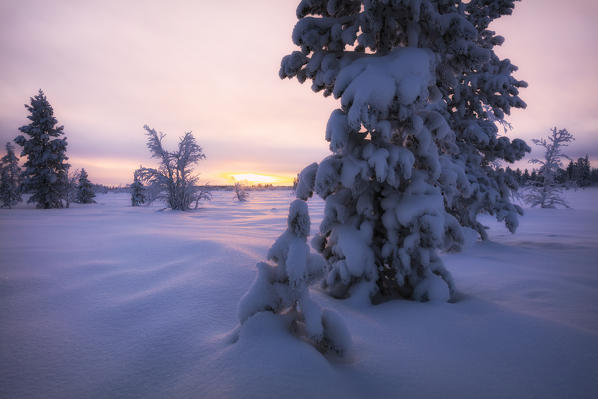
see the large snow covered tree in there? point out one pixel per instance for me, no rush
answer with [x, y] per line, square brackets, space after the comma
[85, 193]
[10, 190]
[415, 141]
[46, 168]
[174, 176]
[547, 192]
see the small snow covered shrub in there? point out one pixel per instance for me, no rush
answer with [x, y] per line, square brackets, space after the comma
[45, 174]
[85, 193]
[240, 191]
[137, 192]
[174, 176]
[10, 190]
[547, 191]
[414, 143]
[71, 186]
[282, 287]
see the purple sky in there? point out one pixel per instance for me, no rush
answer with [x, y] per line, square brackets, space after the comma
[110, 67]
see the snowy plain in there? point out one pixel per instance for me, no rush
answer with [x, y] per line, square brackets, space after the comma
[111, 301]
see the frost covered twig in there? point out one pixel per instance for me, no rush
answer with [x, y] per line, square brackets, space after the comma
[548, 192]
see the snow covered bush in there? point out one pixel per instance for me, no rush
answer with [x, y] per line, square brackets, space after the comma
[240, 191]
[45, 171]
[174, 176]
[413, 145]
[282, 287]
[10, 190]
[137, 192]
[70, 186]
[85, 194]
[547, 192]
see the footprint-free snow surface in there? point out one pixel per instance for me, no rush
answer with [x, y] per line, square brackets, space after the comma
[110, 301]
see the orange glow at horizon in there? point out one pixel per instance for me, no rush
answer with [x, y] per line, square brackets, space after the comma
[255, 178]
[103, 169]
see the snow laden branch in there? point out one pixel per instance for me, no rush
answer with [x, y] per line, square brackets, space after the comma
[173, 180]
[548, 192]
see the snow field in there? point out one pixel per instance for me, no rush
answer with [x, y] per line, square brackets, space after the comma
[107, 300]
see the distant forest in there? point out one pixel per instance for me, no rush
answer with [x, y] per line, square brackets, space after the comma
[577, 173]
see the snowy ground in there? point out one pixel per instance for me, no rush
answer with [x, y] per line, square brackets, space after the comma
[110, 301]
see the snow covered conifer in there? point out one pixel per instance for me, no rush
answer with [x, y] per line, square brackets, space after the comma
[137, 192]
[584, 171]
[281, 287]
[10, 190]
[85, 194]
[548, 192]
[46, 168]
[414, 143]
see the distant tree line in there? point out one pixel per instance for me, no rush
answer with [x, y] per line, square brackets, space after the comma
[578, 173]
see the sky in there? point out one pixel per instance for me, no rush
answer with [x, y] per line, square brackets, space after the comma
[110, 67]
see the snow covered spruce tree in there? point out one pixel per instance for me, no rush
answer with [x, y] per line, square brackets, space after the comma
[175, 175]
[10, 190]
[137, 192]
[413, 146]
[547, 192]
[85, 194]
[46, 168]
[281, 287]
